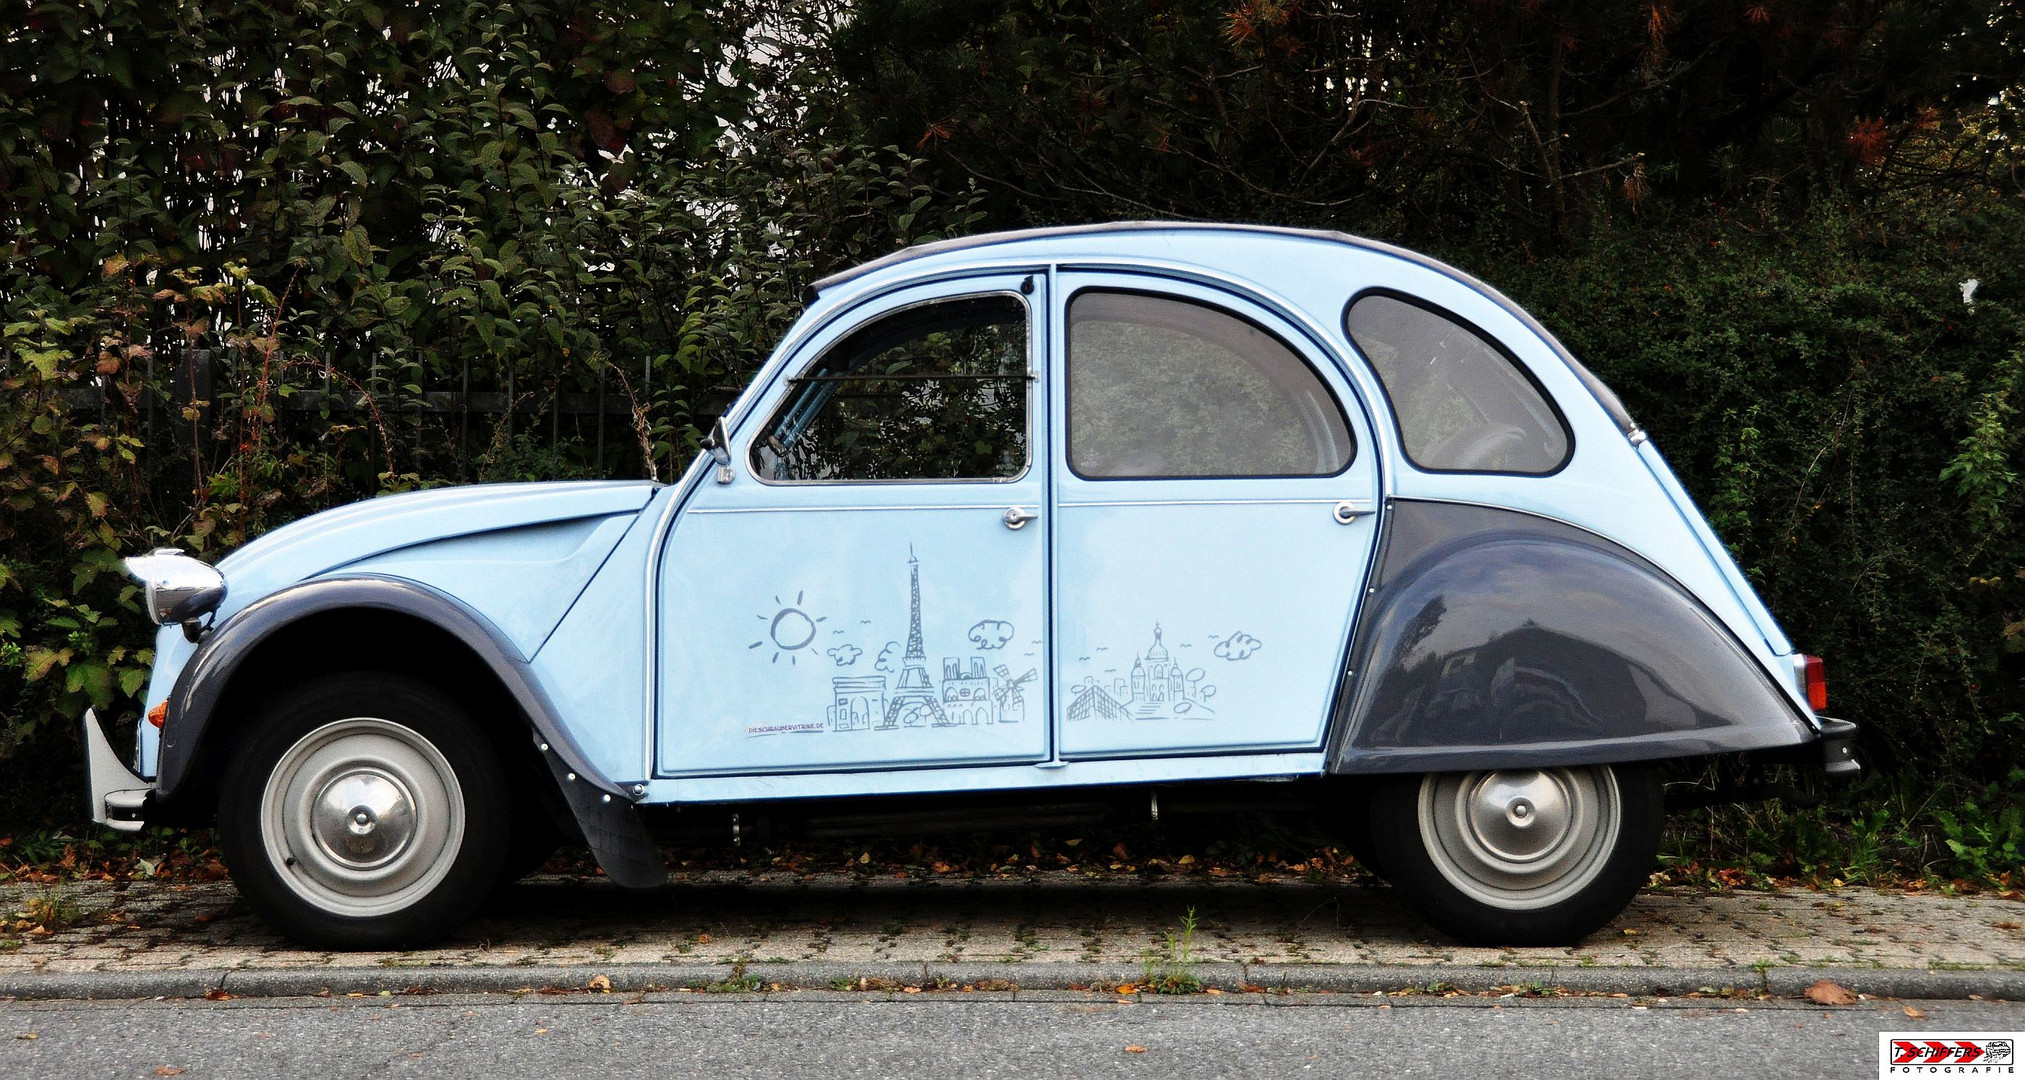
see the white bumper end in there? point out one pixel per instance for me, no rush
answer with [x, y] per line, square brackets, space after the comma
[118, 797]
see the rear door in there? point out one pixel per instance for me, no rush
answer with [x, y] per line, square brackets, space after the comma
[1214, 490]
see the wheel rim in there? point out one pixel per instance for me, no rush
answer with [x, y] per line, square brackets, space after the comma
[1520, 839]
[362, 817]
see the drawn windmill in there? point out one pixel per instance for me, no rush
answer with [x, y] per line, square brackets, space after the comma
[1009, 695]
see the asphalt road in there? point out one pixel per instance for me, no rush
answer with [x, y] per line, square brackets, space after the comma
[962, 1035]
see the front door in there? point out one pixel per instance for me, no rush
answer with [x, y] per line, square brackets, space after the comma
[1215, 488]
[869, 590]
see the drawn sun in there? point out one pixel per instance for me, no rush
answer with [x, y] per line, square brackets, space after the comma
[790, 630]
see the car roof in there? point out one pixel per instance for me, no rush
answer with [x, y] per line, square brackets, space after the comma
[1602, 392]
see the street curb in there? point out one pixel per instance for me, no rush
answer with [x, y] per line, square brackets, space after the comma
[1043, 976]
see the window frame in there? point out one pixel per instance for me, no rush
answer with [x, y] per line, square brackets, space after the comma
[1069, 403]
[793, 384]
[1497, 345]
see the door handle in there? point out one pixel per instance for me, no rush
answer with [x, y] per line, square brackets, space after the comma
[1347, 512]
[1017, 517]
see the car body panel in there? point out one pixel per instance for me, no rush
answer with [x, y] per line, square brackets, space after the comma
[519, 553]
[520, 579]
[854, 625]
[1202, 615]
[1497, 639]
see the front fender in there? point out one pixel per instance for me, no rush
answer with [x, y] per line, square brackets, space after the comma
[603, 810]
[1496, 639]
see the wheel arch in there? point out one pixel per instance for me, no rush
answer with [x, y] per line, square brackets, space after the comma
[371, 622]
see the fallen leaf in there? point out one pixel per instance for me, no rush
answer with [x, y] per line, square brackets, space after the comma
[217, 995]
[703, 939]
[167, 1070]
[1828, 993]
[28, 1035]
[1135, 1049]
[600, 982]
[541, 1031]
[1914, 1013]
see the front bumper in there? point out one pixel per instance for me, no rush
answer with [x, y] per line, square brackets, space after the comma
[119, 799]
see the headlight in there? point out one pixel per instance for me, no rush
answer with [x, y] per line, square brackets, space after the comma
[179, 587]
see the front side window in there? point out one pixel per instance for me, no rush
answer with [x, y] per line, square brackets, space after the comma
[1168, 388]
[1463, 405]
[937, 391]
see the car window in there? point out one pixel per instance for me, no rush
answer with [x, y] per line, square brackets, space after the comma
[937, 391]
[1462, 403]
[1161, 387]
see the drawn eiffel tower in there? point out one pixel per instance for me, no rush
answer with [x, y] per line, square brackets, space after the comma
[913, 704]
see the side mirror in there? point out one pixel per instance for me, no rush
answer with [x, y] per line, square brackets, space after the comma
[718, 445]
[718, 442]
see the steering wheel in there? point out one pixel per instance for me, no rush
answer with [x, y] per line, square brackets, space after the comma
[1476, 447]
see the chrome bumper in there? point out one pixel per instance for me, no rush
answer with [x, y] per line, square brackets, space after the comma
[119, 799]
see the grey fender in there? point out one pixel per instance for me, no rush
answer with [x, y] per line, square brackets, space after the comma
[602, 809]
[1498, 639]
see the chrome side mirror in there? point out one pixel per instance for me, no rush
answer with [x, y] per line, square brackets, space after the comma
[718, 442]
[179, 588]
[718, 445]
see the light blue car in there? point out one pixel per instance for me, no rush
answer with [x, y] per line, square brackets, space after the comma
[1014, 530]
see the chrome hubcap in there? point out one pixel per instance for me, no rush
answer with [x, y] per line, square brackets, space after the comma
[1521, 838]
[362, 817]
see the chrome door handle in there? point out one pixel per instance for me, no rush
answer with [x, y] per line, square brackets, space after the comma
[1347, 512]
[1016, 518]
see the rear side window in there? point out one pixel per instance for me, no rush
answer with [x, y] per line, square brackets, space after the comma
[1462, 403]
[1166, 388]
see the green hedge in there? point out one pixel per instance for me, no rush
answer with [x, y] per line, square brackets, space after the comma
[347, 203]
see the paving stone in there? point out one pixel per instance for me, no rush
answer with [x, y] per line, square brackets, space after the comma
[714, 919]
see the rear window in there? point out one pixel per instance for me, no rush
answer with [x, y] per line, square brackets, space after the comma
[1463, 404]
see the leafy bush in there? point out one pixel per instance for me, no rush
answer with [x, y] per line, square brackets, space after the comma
[268, 257]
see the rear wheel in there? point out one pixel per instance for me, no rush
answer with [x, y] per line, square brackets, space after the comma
[363, 810]
[1519, 856]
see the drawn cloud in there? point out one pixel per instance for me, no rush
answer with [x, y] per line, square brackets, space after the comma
[889, 657]
[991, 634]
[1238, 646]
[845, 655]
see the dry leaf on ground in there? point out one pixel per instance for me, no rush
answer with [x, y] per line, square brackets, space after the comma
[1135, 1049]
[1914, 1013]
[1829, 993]
[600, 982]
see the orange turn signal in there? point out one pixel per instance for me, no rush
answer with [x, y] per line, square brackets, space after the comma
[158, 714]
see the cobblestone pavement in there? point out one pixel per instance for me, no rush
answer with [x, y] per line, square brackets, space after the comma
[759, 917]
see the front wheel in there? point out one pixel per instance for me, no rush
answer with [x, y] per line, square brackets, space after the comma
[1519, 856]
[364, 810]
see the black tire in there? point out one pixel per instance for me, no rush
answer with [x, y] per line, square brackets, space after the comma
[533, 840]
[1602, 868]
[427, 847]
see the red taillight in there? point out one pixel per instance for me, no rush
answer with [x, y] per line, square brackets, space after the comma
[158, 714]
[1817, 685]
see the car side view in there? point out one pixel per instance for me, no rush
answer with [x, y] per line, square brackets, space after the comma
[1023, 529]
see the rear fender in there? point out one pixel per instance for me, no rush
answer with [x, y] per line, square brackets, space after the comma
[1498, 639]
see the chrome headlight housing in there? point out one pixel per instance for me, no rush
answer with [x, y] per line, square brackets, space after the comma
[180, 588]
